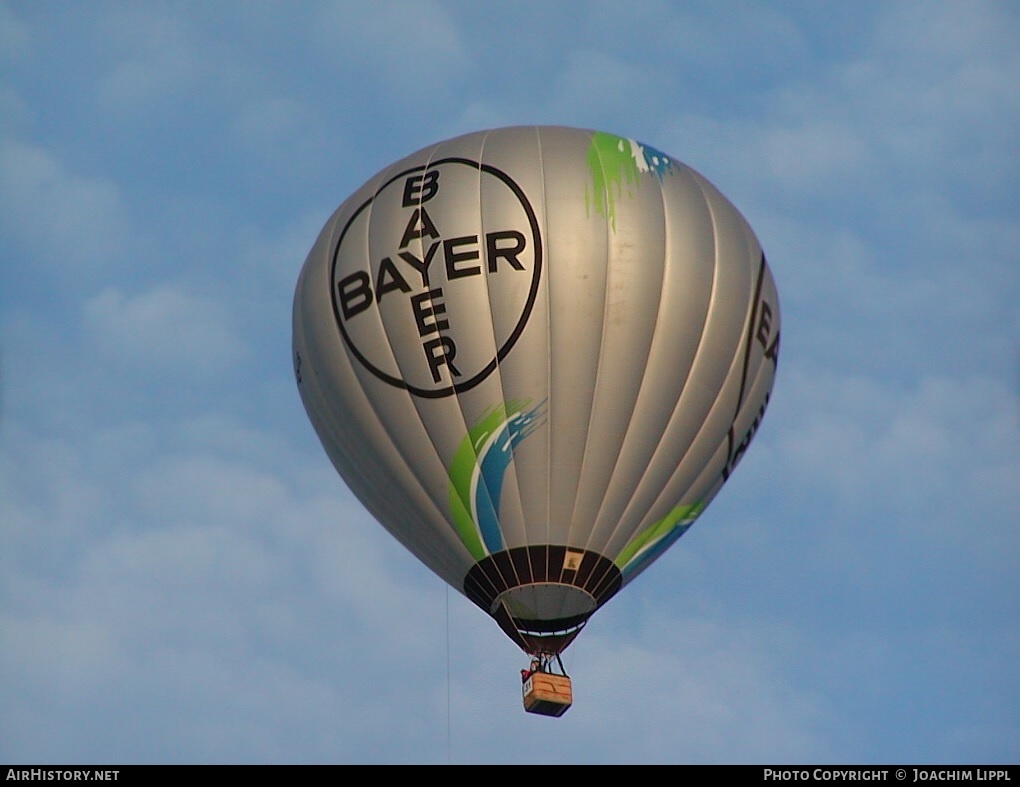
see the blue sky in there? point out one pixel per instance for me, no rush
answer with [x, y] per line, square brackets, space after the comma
[184, 578]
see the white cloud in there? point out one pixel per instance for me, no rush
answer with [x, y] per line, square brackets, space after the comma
[700, 686]
[156, 57]
[952, 29]
[413, 49]
[886, 123]
[924, 472]
[15, 37]
[811, 157]
[595, 82]
[165, 328]
[13, 110]
[202, 567]
[199, 488]
[74, 224]
[925, 423]
[47, 499]
[273, 122]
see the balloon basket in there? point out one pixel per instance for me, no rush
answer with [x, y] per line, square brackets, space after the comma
[547, 694]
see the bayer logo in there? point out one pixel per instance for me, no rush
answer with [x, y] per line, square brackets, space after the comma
[435, 276]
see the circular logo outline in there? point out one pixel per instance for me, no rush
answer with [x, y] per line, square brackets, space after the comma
[515, 334]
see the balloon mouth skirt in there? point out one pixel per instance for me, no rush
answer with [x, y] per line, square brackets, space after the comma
[541, 596]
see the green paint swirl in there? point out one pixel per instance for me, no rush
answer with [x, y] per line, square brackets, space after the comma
[610, 162]
[462, 472]
[679, 516]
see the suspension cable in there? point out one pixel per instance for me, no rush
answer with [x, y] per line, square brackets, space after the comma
[448, 722]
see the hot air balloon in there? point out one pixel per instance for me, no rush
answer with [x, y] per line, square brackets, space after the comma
[535, 354]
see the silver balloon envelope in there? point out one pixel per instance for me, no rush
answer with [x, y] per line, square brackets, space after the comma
[535, 355]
